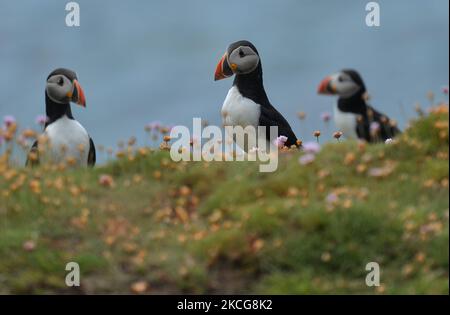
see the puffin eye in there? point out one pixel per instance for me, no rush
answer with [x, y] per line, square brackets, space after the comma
[60, 81]
[241, 53]
[340, 79]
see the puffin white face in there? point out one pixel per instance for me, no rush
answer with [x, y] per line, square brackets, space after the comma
[243, 60]
[62, 90]
[59, 89]
[340, 84]
[240, 58]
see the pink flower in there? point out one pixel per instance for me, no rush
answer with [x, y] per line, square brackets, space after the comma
[311, 147]
[445, 90]
[41, 120]
[306, 159]
[376, 172]
[106, 180]
[325, 116]
[374, 127]
[332, 198]
[29, 245]
[280, 141]
[9, 120]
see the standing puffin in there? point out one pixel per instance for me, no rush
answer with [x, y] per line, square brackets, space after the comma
[246, 103]
[352, 115]
[64, 137]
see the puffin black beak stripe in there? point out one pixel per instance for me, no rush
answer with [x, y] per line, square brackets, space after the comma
[223, 70]
[78, 94]
[326, 87]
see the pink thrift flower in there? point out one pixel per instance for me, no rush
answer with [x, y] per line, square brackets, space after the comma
[106, 180]
[29, 245]
[325, 116]
[280, 141]
[9, 120]
[306, 159]
[374, 127]
[332, 198]
[41, 119]
[311, 147]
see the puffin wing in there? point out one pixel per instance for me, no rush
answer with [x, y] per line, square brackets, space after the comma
[362, 128]
[387, 129]
[271, 117]
[33, 150]
[91, 155]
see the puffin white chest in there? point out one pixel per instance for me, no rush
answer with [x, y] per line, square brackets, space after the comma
[67, 138]
[238, 110]
[345, 122]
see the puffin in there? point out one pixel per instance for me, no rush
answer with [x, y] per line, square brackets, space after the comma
[246, 103]
[64, 138]
[353, 116]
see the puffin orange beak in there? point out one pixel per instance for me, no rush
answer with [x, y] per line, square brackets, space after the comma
[326, 87]
[78, 94]
[222, 69]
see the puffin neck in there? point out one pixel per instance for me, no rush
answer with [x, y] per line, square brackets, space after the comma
[353, 104]
[251, 85]
[55, 110]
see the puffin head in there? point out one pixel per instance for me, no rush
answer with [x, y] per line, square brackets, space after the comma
[241, 57]
[63, 87]
[345, 83]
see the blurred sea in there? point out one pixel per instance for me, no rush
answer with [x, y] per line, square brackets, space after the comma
[141, 61]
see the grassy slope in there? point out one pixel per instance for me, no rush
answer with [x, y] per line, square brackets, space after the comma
[165, 227]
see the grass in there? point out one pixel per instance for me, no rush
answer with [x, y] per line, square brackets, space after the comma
[145, 224]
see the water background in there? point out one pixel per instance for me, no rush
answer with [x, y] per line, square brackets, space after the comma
[141, 61]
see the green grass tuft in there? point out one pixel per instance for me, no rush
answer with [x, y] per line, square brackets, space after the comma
[226, 228]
